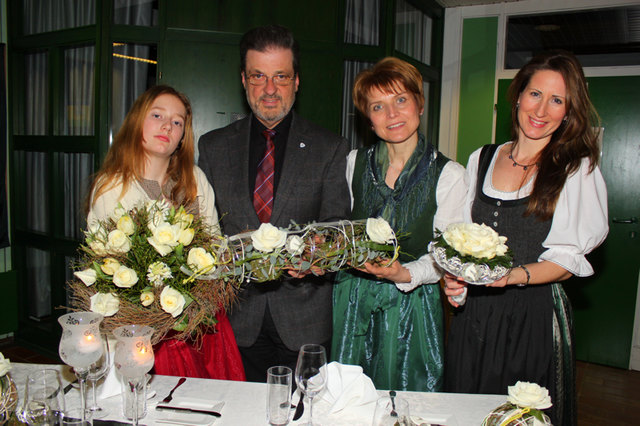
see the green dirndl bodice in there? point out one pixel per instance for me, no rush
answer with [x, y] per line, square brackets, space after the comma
[396, 337]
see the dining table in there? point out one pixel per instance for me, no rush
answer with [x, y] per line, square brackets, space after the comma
[244, 403]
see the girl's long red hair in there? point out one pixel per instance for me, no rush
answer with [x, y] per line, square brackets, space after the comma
[125, 159]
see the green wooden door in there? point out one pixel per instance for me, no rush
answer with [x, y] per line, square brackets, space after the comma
[604, 304]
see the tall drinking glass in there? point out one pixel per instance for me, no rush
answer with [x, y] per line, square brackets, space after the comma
[311, 373]
[80, 346]
[278, 395]
[133, 357]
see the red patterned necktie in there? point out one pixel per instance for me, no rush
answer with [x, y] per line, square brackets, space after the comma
[263, 190]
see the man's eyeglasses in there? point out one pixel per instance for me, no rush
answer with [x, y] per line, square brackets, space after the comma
[278, 79]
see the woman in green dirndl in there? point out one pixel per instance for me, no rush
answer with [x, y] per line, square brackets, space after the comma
[388, 319]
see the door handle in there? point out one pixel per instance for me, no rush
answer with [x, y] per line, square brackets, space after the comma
[628, 220]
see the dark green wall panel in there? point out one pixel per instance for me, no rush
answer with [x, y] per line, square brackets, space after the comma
[477, 77]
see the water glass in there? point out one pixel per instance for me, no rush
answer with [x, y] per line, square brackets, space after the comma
[128, 398]
[44, 398]
[392, 412]
[279, 380]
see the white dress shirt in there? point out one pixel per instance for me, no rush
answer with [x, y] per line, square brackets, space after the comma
[580, 221]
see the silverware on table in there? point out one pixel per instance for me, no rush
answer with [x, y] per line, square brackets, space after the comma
[170, 396]
[189, 410]
[299, 408]
[392, 395]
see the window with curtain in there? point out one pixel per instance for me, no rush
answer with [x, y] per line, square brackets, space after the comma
[51, 15]
[362, 22]
[135, 12]
[413, 32]
[355, 127]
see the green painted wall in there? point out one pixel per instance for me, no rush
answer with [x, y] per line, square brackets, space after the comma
[477, 78]
[604, 304]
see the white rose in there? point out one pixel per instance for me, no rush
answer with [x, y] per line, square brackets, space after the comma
[5, 365]
[87, 276]
[165, 238]
[531, 395]
[183, 218]
[479, 241]
[186, 236]
[295, 245]
[119, 211]
[125, 277]
[200, 260]
[146, 298]
[110, 265]
[379, 231]
[125, 224]
[105, 303]
[98, 247]
[172, 301]
[268, 237]
[118, 242]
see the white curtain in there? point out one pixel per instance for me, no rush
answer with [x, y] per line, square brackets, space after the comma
[355, 127]
[362, 22]
[51, 15]
[413, 32]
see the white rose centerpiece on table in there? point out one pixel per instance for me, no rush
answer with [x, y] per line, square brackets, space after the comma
[524, 406]
[474, 252]
[8, 391]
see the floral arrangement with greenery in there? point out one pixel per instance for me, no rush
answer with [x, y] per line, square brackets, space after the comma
[8, 391]
[158, 265]
[523, 407]
[475, 252]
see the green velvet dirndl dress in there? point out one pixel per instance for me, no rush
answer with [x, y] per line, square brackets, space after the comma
[396, 337]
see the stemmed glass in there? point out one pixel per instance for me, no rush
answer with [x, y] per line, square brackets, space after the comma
[97, 371]
[133, 357]
[80, 346]
[311, 372]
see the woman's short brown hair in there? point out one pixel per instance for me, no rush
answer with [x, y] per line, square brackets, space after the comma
[389, 75]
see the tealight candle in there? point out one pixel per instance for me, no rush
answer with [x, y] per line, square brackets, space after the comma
[89, 343]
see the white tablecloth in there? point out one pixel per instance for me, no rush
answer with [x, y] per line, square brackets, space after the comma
[245, 402]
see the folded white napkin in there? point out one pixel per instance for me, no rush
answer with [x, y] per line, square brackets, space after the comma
[112, 382]
[349, 390]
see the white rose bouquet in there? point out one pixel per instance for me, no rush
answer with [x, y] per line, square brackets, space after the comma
[158, 265]
[523, 407]
[265, 254]
[130, 270]
[475, 252]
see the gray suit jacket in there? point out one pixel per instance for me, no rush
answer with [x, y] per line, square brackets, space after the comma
[312, 187]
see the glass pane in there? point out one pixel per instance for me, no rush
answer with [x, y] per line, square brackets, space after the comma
[362, 22]
[598, 37]
[36, 95]
[413, 32]
[76, 174]
[68, 276]
[38, 281]
[32, 171]
[136, 12]
[50, 15]
[424, 118]
[355, 127]
[134, 71]
[78, 115]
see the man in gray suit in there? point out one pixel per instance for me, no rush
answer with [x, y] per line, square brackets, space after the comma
[305, 177]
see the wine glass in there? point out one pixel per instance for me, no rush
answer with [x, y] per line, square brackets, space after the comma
[97, 371]
[44, 398]
[392, 411]
[133, 357]
[80, 346]
[311, 372]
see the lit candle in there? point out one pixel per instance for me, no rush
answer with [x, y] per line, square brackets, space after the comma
[141, 354]
[89, 343]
